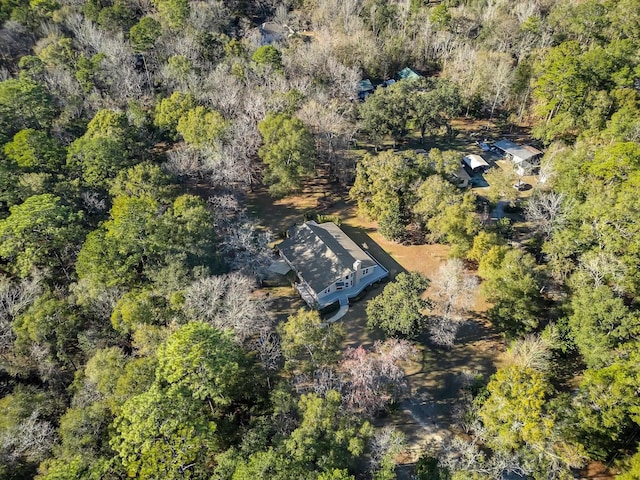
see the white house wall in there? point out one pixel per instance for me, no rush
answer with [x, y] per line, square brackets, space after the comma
[351, 280]
[327, 291]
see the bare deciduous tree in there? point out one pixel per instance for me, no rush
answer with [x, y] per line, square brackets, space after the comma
[385, 445]
[460, 67]
[333, 130]
[97, 303]
[458, 455]
[375, 378]
[226, 208]
[502, 74]
[15, 40]
[268, 347]
[603, 267]
[210, 16]
[531, 351]
[443, 331]
[547, 211]
[453, 296]
[31, 440]
[342, 80]
[93, 202]
[343, 16]
[14, 299]
[246, 248]
[548, 165]
[229, 95]
[232, 162]
[320, 381]
[453, 289]
[524, 10]
[184, 162]
[117, 67]
[43, 361]
[228, 302]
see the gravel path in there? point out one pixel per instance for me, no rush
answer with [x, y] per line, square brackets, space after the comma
[426, 417]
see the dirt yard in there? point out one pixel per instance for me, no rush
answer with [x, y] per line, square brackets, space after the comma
[435, 377]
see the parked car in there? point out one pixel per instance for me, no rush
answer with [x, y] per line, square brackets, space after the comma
[521, 186]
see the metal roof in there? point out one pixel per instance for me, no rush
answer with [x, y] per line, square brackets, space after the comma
[407, 74]
[280, 266]
[475, 161]
[365, 85]
[519, 153]
[322, 253]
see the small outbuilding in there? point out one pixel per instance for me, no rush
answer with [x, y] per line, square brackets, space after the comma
[408, 74]
[461, 178]
[525, 157]
[476, 163]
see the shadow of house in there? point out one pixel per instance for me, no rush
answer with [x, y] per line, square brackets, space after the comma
[460, 178]
[361, 237]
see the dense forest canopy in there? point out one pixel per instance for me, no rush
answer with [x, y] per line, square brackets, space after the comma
[134, 339]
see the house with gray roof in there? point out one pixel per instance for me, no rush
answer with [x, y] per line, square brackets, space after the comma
[330, 267]
[525, 157]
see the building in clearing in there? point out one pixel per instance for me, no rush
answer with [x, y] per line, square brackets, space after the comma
[476, 163]
[525, 157]
[330, 267]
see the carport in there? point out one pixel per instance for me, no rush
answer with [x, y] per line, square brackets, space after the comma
[476, 163]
